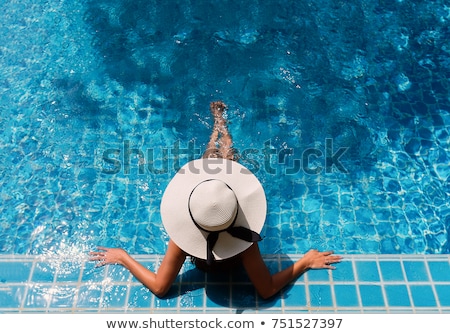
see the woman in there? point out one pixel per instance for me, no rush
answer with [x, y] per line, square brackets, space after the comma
[213, 210]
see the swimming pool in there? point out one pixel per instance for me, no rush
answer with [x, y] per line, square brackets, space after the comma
[340, 108]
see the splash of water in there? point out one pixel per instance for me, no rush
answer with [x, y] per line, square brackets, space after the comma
[66, 257]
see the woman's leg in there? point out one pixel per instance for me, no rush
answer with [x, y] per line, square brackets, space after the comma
[211, 149]
[221, 148]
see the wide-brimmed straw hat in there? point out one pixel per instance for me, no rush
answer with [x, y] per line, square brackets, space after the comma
[214, 209]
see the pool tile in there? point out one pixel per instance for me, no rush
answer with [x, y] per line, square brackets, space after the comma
[192, 298]
[243, 296]
[443, 292]
[318, 275]
[43, 272]
[391, 271]
[320, 295]
[38, 296]
[422, 296]
[91, 273]
[114, 296]
[140, 297]
[218, 295]
[440, 271]
[193, 275]
[346, 295]
[344, 272]
[295, 295]
[170, 301]
[415, 271]
[63, 296]
[367, 271]
[118, 274]
[89, 296]
[16, 272]
[68, 272]
[371, 295]
[12, 297]
[397, 295]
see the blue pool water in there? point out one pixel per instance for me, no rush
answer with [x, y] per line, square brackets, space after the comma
[90, 88]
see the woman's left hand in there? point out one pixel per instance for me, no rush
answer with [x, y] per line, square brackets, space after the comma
[321, 260]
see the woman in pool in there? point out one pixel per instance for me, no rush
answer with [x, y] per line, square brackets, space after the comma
[213, 210]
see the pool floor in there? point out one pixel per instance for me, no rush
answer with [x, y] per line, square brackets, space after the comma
[360, 284]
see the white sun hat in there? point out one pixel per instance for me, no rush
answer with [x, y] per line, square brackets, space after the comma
[214, 208]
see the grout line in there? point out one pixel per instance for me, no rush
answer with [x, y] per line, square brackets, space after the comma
[307, 294]
[358, 293]
[408, 288]
[433, 287]
[102, 294]
[333, 294]
[78, 284]
[383, 289]
[27, 285]
[127, 294]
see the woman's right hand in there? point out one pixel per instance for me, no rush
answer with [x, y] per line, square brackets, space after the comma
[108, 256]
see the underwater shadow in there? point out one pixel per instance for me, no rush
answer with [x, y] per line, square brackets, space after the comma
[224, 289]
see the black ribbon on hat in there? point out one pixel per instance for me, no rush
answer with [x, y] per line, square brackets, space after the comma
[239, 232]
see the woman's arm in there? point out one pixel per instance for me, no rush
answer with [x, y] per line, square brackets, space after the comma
[158, 282]
[267, 284]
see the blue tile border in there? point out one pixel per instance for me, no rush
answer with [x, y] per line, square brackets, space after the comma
[320, 296]
[16, 271]
[371, 295]
[391, 271]
[346, 296]
[416, 271]
[361, 283]
[397, 295]
[367, 271]
[440, 271]
[423, 296]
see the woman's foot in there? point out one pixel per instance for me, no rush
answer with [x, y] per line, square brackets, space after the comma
[217, 108]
